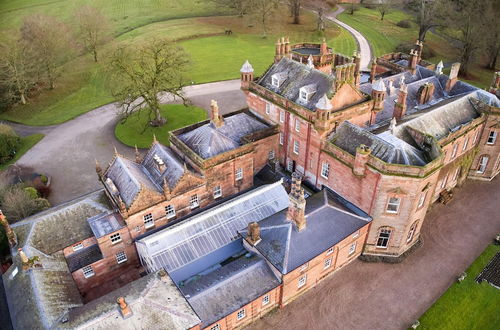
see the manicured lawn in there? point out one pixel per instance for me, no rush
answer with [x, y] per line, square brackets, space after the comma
[132, 131]
[26, 144]
[467, 305]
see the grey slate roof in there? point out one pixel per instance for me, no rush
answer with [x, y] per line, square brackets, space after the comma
[297, 75]
[227, 289]
[384, 146]
[327, 224]
[39, 297]
[155, 304]
[175, 167]
[84, 257]
[193, 238]
[208, 141]
[105, 223]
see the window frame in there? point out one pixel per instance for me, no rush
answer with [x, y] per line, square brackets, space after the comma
[275, 81]
[149, 222]
[411, 232]
[304, 267]
[86, 273]
[282, 116]
[456, 174]
[167, 211]
[217, 192]
[421, 200]
[113, 238]
[454, 151]
[476, 136]
[121, 257]
[481, 168]
[289, 165]
[282, 138]
[302, 281]
[466, 142]
[194, 201]
[297, 125]
[351, 249]
[296, 147]
[493, 136]
[266, 300]
[398, 205]
[268, 108]
[329, 251]
[385, 231]
[327, 263]
[271, 155]
[216, 326]
[238, 174]
[323, 171]
[241, 314]
[77, 247]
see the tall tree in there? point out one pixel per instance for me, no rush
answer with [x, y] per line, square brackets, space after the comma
[49, 40]
[295, 10]
[383, 7]
[320, 23]
[428, 15]
[264, 10]
[92, 28]
[491, 37]
[17, 71]
[138, 75]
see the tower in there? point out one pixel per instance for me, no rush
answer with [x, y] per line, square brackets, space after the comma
[378, 95]
[400, 106]
[297, 207]
[246, 72]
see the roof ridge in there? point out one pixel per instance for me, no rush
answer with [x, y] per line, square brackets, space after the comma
[287, 250]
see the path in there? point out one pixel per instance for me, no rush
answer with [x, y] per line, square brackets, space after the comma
[392, 296]
[363, 45]
[68, 150]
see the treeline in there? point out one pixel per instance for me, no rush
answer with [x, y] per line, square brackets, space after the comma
[32, 61]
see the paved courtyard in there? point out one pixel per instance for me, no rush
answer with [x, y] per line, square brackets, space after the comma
[392, 296]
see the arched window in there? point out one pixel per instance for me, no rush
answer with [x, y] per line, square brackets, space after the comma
[483, 162]
[411, 232]
[384, 235]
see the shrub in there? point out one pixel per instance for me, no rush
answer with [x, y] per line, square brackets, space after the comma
[44, 179]
[405, 24]
[405, 47]
[32, 193]
[17, 203]
[9, 142]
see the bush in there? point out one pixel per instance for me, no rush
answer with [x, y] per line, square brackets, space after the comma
[32, 193]
[9, 142]
[405, 47]
[18, 203]
[405, 24]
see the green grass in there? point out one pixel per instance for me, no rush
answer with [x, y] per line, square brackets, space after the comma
[467, 305]
[26, 144]
[132, 131]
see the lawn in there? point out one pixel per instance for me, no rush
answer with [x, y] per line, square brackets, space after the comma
[82, 85]
[384, 36]
[26, 144]
[467, 305]
[132, 132]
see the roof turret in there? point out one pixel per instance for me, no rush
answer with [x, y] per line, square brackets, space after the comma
[324, 103]
[247, 67]
[379, 86]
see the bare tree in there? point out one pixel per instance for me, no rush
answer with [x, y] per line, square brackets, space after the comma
[428, 15]
[138, 75]
[92, 28]
[383, 7]
[264, 10]
[240, 6]
[295, 10]
[17, 71]
[491, 37]
[49, 40]
[320, 26]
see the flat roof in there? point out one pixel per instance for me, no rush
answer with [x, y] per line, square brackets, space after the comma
[105, 223]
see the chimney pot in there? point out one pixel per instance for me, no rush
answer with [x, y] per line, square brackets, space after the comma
[24, 257]
[253, 236]
[124, 308]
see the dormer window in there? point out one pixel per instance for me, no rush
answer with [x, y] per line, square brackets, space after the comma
[306, 92]
[278, 78]
[275, 81]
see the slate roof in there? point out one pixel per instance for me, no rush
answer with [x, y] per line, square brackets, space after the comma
[198, 236]
[155, 301]
[105, 223]
[39, 297]
[297, 75]
[327, 224]
[84, 257]
[230, 287]
[384, 146]
[208, 140]
[129, 177]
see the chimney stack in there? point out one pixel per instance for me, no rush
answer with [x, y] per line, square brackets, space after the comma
[277, 53]
[246, 75]
[362, 155]
[400, 106]
[324, 48]
[419, 47]
[24, 257]
[216, 118]
[288, 48]
[413, 61]
[453, 77]
[11, 236]
[425, 93]
[124, 308]
[495, 84]
[253, 235]
[138, 158]
[373, 70]
[357, 74]
[297, 207]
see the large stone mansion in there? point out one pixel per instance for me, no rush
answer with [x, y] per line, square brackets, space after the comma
[243, 213]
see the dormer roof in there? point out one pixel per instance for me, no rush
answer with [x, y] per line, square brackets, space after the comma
[246, 68]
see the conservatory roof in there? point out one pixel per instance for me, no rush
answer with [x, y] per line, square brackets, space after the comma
[183, 243]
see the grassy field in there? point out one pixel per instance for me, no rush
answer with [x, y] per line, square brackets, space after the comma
[467, 305]
[26, 144]
[195, 25]
[384, 36]
[132, 131]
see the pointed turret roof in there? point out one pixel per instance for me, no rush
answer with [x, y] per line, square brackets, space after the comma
[247, 67]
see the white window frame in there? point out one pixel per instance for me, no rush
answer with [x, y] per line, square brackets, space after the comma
[77, 247]
[476, 136]
[275, 81]
[444, 182]
[170, 211]
[457, 172]
[215, 327]
[289, 165]
[387, 232]
[115, 238]
[454, 151]
[327, 263]
[297, 124]
[149, 221]
[356, 234]
[302, 281]
[304, 267]
[282, 138]
[391, 203]
[296, 147]
[88, 271]
[271, 155]
[238, 175]
[329, 251]
[421, 200]
[492, 137]
[268, 109]
[325, 170]
[241, 314]
[194, 202]
[466, 142]
[217, 191]
[352, 248]
[121, 257]
[483, 163]
[282, 116]
[411, 232]
[265, 300]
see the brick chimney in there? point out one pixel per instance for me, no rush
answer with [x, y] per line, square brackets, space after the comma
[246, 75]
[277, 53]
[412, 65]
[23, 256]
[495, 84]
[323, 48]
[373, 70]
[215, 117]
[453, 77]
[138, 158]
[357, 74]
[362, 155]
[400, 106]
[288, 48]
[297, 207]
[11, 236]
[419, 47]
[253, 235]
[125, 310]
[425, 93]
